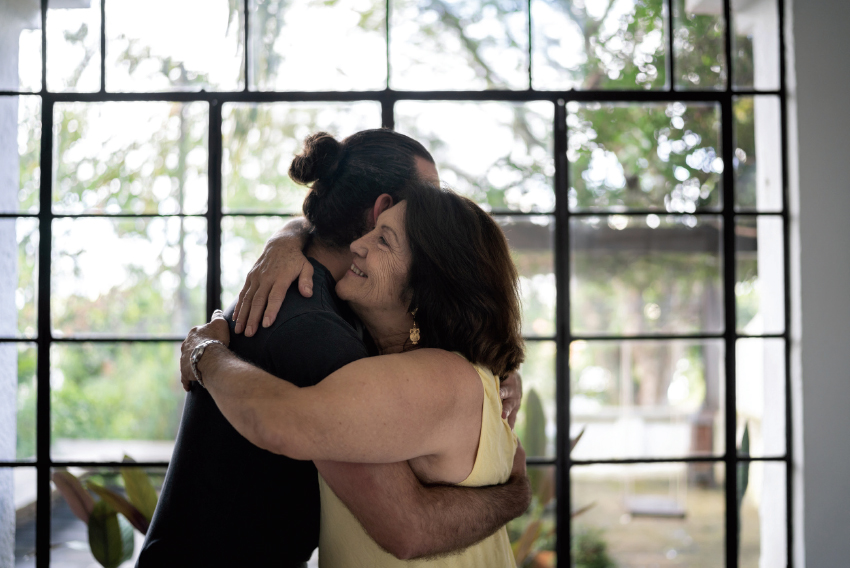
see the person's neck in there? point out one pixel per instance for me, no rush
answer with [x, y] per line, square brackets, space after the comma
[336, 260]
[389, 330]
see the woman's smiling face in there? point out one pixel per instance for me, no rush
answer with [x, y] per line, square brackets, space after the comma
[378, 275]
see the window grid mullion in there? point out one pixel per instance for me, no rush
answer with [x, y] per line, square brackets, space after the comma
[246, 61]
[563, 491]
[786, 236]
[530, 53]
[103, 46]
[43, 47]
[45, 228]
[671, 64]
[214, 199]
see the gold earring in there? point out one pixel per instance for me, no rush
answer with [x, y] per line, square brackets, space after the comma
[414, 331]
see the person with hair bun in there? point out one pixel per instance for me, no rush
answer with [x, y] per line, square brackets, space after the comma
[437, 291]
[228, 502]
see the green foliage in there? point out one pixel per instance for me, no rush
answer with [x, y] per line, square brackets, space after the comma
[535, 438]
[26, 402]
[111, 519]
[139, 488]
[590, 550]
[110, 536]
[117, 391]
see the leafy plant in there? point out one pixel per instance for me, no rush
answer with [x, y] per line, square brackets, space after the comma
[590, 550]
[113, 517]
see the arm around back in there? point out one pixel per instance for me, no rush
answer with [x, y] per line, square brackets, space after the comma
[412, 520]
[376, 410]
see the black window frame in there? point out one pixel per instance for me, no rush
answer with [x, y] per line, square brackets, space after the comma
[562, 216]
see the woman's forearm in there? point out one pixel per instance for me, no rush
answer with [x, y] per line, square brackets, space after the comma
[256, 403]
[375, 410]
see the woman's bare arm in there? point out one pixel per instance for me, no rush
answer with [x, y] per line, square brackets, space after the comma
[376, 410]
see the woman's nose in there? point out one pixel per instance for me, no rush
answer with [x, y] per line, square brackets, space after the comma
[358, 247]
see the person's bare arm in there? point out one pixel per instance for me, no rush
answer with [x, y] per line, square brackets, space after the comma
[412, 520]
[376, 410]
[280, 264]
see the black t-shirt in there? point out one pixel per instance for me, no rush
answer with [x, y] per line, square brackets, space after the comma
[226, 502]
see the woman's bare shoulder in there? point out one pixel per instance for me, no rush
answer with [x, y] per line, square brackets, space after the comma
[439, 365]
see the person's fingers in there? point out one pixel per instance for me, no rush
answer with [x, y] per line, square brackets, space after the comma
[237, 311]
[257, 305]
[276, 297]
[305, 280]
[510, 403]
[244, 300]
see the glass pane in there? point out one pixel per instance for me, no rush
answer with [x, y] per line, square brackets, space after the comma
[598, 44]
[536, 423]
[760, 392]
[762, 515]
[20, 154]
[17, 412]
[647, 399]
[758, 153]
[286, 54]
[139, 157]
[111, 399]
[662, 514]
[69, 535]
[699, 45]
[127, 277]
[759, 275]
[260, 140]
[19, 276]
[533, 534]
[242, 241]
[464, 45]
[17, 517]
[161, 45]
[646, 274]
[755, 44]
[20, 44]
[531, 240]
[73, 46]
[498, 154]
[656, 156]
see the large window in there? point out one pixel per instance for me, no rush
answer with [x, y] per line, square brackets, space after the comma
[632, 150]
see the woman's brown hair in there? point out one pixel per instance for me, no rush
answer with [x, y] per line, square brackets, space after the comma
[462, 282]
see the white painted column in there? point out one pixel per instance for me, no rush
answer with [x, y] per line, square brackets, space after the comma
[15, 16]
[759, 19]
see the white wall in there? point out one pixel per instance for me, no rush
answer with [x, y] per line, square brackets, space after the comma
[821, 100]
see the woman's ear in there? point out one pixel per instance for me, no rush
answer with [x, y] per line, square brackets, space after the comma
[384, 202]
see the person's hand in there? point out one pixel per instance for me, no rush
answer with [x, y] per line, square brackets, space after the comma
[511, 392]
[216, 329]
[280, 264]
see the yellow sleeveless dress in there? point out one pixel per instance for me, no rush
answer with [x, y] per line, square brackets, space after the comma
[343, 543]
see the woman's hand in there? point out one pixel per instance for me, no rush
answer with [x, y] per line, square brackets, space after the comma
[511, 392]
[217, 329]
[280, 264]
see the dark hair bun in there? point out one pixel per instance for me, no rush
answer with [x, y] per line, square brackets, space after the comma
[318, 161]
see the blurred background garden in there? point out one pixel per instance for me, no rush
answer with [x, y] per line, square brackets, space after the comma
[643, 234]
